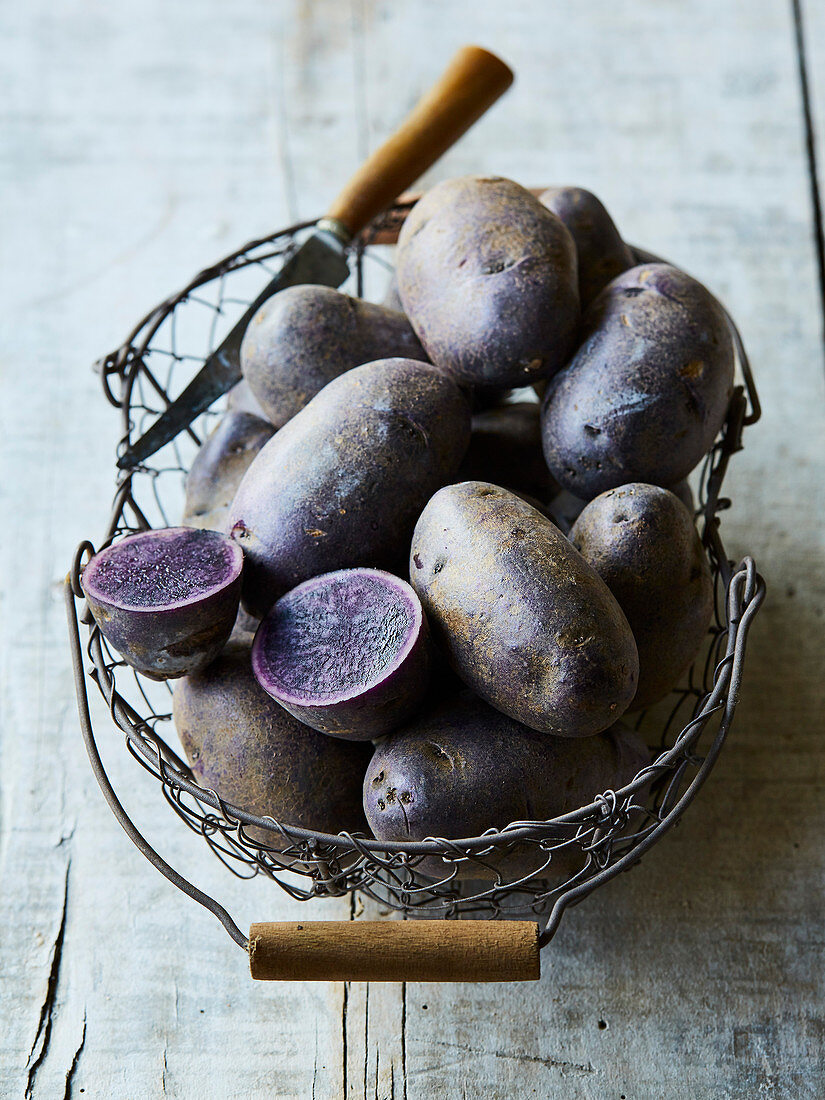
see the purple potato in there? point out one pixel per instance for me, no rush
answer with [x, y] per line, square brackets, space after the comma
[524, 620]
[645, 395]
[488, 280]
[564, 509]
[505, 448]
[643, 543]
[218, 467]
[305, 336]
[166, 600]
[343, 482]
[348, 653]
[463, 768]
[243, 745]
[601, 252]
[392, 299]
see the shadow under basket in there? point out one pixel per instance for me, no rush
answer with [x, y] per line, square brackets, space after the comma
[522, 877]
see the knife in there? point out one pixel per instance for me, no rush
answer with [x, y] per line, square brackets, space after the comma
[471, 83]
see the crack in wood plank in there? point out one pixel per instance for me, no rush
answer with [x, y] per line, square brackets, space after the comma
[811, 151]
[44, 1023]
[70, 1073]
[579, 1069]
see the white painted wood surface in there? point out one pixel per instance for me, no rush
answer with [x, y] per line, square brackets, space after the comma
[142, 141]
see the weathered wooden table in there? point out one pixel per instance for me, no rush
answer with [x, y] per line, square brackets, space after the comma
[143, 140]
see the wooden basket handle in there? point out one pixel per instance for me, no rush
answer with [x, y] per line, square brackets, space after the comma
[395, 951]
[471, 83]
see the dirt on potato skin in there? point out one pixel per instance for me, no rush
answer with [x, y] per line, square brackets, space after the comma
[648, 389]
[643, 543]
[524, 620]
[488, 279]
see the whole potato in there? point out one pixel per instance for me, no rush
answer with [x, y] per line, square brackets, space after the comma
[241, 399]
[647, 391]
[524, 620]
[564, 509]
[464, 768]
[642, 542]
[601, 252]
[343, 482]
[247, 748]
[217, 469]
[487, 276]
[505, 448]
[305, 336]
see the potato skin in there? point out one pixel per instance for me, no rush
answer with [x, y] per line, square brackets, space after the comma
[343, 482]
[524, 620]
[643, 543]
[645, 395]
[219, 466]
[463, 768]
[487, 276]
[505, 449]
[243, 745]
[305, 336]
[601, 252]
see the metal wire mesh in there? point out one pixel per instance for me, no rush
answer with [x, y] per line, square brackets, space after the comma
[535, 867]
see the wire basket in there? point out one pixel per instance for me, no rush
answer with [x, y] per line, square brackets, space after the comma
[528, 868]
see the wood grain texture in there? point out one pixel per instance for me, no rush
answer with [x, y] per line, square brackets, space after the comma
[141, 143]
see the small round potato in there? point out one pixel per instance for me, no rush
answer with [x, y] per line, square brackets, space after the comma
[642, 542]
[487, 276]
[524, 620]
[305, 336]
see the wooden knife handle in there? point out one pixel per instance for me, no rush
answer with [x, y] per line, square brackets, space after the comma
[395, 951]
[472, 83]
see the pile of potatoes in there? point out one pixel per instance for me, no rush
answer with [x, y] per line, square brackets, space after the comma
[450, 593]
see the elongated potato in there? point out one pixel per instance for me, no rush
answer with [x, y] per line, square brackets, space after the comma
[524, 620]
[463, 768]
[601, 252]
[643, 543]
[487, 276]
[343, 482]
[305, 336]
[645, 395]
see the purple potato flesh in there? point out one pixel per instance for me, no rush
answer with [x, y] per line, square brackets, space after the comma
[218, 467]
[342, 484]
[487, 276]
[305, 336]
[645, 395]
[643, 543]
[524, 620]
[347, 653]
[601, 252]
[256, 756]
[166, 600]
[463, 768]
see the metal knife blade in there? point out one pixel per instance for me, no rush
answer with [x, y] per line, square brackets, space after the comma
[321, 259]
